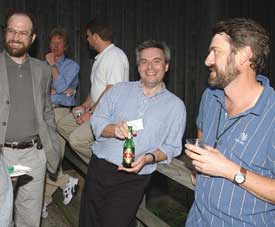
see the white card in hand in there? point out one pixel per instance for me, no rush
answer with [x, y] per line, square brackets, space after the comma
[136, 124]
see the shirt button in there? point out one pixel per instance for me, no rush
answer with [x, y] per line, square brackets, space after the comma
[4, 123]
[7, 102]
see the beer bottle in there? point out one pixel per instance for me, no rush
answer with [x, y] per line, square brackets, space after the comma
[128, 149]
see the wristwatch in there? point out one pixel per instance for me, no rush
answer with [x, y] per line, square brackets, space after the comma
[240, 176]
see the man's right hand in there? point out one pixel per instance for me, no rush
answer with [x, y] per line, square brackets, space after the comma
[83, 118]
[50, 58]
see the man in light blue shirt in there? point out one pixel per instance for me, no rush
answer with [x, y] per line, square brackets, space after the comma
[112, 193]
[235, 183]
[64, 83]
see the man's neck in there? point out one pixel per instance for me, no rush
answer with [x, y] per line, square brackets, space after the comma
[19, 60]
[242, 94]
[151, 91]
[102, 46]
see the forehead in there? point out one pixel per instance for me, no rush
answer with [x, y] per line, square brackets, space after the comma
[22, 22]
[220, 41]
[151, 53]
[88, 32]
[57, 38]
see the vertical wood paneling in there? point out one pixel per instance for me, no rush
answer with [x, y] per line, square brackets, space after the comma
[185, 25]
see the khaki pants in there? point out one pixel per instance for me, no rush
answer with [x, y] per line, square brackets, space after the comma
[6, 195]
[29, 196]
[79, 137]
[62, 179]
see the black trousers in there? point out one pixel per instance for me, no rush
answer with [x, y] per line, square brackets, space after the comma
[110, 198]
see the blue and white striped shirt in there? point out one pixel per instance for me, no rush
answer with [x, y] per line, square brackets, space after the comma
[163, 115]
[250, 143]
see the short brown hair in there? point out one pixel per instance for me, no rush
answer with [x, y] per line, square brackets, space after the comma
[246, 32]
[102, 27]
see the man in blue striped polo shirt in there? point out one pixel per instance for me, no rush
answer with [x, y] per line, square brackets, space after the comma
[235, 183]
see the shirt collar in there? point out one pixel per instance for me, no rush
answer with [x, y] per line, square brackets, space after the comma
[104, 51]
[262, 101]
[163, 90]
[61, 59]
[8, 57]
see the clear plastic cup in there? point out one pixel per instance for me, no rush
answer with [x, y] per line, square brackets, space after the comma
[196, 142]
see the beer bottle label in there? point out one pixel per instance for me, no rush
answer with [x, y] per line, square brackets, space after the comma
[128, 155]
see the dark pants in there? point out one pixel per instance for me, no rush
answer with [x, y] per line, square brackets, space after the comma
[110, 198]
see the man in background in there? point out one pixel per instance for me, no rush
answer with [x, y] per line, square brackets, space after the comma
[110, 67]
[28, 132]
[64, 83]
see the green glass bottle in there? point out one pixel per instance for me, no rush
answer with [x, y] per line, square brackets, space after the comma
[129, 149]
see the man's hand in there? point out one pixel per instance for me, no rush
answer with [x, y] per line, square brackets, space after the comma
[121, 130]
[53, 91]
[208, 160]
[83, 118]
[50, 58]
[70, 92]
[136, 165]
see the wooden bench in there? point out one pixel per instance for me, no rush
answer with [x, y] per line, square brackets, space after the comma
[177, 170]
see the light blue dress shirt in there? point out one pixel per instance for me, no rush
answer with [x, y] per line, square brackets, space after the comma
[67, 78]
[163, 116]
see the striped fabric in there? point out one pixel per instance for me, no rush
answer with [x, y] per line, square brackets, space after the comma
[249, 142]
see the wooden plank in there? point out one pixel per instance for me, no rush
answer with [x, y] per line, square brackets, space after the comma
[177, 171]
[73, 158]
[149, 219]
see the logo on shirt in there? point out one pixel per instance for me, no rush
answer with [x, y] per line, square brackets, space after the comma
[242, 138]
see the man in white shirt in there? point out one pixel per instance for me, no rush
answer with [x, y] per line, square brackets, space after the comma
[110, 67]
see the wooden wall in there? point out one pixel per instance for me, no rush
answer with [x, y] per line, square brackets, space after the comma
[185, 25]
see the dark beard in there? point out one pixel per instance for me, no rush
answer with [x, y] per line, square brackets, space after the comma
[18, 52]
[223, 78]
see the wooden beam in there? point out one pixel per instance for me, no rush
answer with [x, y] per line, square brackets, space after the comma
[177, 171]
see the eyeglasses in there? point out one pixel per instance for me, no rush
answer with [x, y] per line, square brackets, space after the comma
[21, 34]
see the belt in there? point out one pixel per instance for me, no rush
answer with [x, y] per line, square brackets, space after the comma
[61, 106]
[22, 145]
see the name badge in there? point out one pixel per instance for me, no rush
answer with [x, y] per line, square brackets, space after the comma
[136, 124]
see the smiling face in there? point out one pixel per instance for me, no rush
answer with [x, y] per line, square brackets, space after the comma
[152, 67]
[221, 62]
[18, 36]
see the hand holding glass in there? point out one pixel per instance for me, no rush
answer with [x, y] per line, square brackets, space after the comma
[196, 142]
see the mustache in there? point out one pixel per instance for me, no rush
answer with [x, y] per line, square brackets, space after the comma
[212, 68]
[15, 42]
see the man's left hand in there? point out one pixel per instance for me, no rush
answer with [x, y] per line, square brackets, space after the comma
[136, 165]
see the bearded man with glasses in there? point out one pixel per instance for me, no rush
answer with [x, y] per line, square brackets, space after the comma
[27, 131]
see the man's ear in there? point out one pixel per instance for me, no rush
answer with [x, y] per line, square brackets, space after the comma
[166, 67]
[245, 54]
[33, 37]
